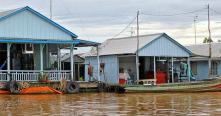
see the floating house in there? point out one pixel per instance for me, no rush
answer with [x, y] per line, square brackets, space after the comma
[199, 64]
[159, 58]
[27, 40]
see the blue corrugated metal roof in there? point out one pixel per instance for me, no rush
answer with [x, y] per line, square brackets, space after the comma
[6, 14]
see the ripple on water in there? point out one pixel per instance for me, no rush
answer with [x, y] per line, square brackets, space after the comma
[89, 104]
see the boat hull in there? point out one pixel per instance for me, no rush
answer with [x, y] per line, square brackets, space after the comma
[204, 86]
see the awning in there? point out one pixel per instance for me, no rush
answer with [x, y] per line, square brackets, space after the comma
[37, 41]
[76, 42]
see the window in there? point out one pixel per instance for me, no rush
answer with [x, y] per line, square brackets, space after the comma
[194, 68]
[214, 65]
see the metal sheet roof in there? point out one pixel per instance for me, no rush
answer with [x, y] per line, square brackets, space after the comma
[126, 45]
[9, 13]
[203, 49]
[5, 13]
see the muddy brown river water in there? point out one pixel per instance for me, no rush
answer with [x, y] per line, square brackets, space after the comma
[94, 104]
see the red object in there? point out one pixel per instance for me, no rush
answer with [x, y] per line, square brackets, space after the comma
[216, 86]
[150, 75]
[37, 90]
[90, 70]
[161, 76]
[4, 92]
[122, 81]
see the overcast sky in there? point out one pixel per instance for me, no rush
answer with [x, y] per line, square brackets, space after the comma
[98, 20]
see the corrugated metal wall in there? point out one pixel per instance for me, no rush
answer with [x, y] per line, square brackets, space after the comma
[28, 25]
[110, 71]
[163, 47]
[202, 70]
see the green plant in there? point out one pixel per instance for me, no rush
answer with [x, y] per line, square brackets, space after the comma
[43, 76]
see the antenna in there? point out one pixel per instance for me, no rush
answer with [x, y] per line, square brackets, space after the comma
[51, 9]
[195, 18]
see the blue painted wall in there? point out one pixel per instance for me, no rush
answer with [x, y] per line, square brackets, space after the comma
[202, 70]
[163, 47]
[219, 68]
[27, 25]
[110, 70]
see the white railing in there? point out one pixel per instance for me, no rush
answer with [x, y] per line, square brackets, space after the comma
[57, 75]
[33, 75]
[3, 76]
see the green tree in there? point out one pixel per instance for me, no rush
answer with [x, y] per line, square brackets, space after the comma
[207, 40]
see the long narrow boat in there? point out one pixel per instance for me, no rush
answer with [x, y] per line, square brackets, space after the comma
[213, 85]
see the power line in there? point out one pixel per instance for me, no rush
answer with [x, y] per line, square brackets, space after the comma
[125, 28]
[215, 11]
[176, 14]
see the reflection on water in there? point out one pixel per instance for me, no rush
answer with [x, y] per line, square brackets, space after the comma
[112, 104]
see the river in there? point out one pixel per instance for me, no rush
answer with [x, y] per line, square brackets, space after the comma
[112, 104]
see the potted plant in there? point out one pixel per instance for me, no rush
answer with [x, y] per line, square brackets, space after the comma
[43, 77]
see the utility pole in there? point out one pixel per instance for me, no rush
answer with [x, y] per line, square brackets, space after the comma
[195, 18]
[137, 56]
[210, 54]
[51, 9]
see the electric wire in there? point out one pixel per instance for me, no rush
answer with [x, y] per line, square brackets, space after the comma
[215, 11]
[125, 28]
[175, 14]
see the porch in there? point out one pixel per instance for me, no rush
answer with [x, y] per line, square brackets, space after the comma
[34, 75]
[40, 62]
[154, 69]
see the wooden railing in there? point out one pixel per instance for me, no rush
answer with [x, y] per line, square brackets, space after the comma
[34, 75]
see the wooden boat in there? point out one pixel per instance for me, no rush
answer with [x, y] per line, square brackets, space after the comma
[213, 85]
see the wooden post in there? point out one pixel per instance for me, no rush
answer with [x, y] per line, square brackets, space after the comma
[189, 69]
[59, 57]
[72, 62]
[41, 58]
[78, 71]
[98, 65]
[8, 60]
[154, 66]
[172, 70]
